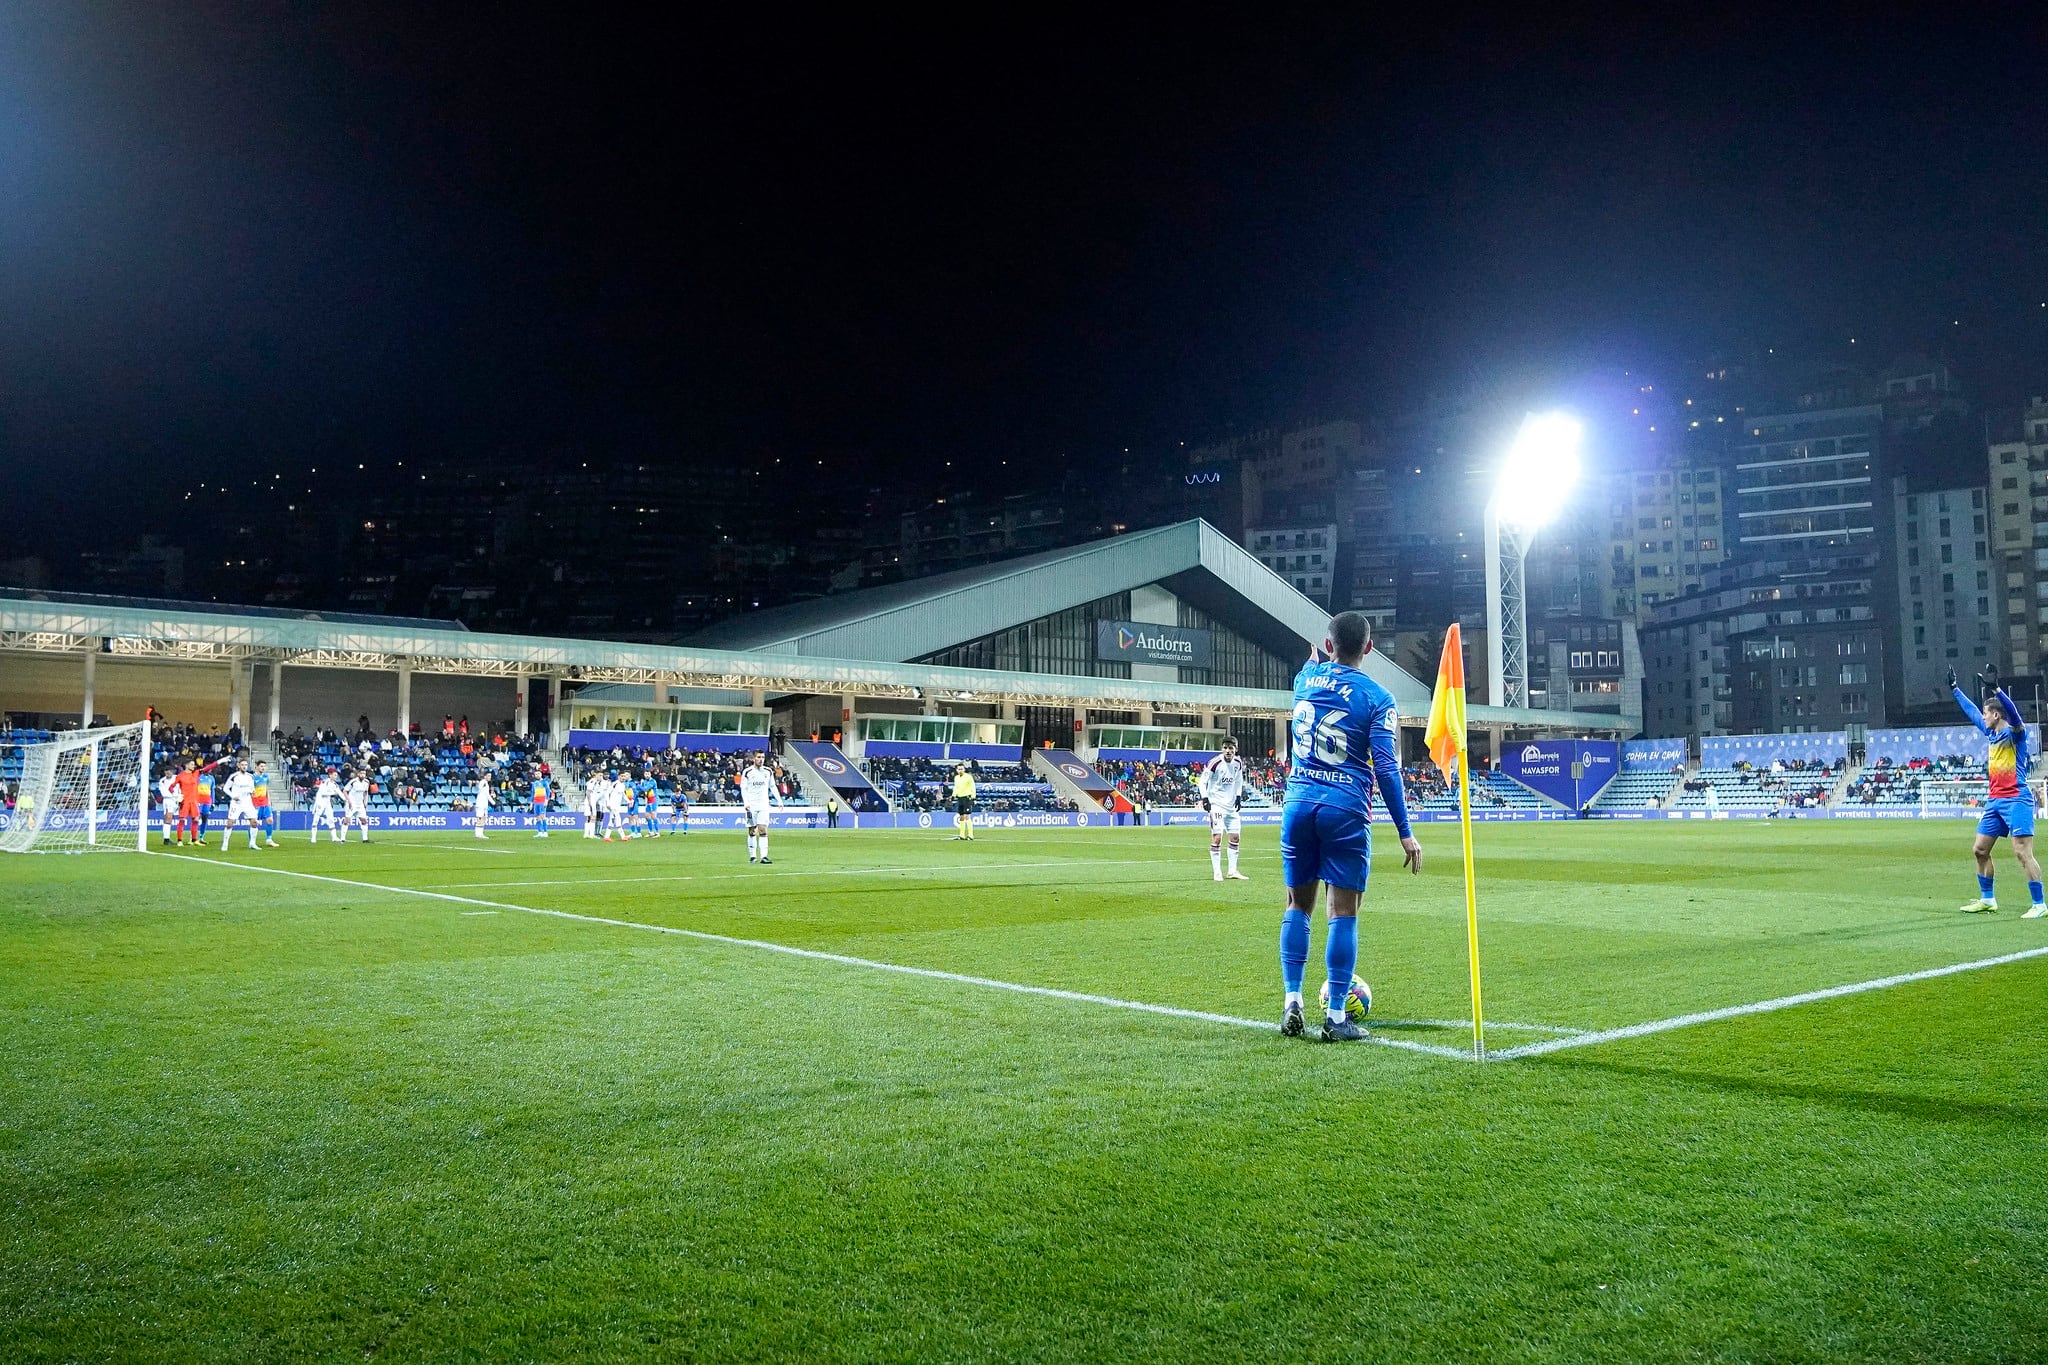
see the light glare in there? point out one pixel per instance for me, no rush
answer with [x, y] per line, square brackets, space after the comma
[1540, 470]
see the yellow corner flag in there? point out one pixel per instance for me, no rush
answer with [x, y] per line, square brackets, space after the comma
[1446, 733]
[1446, 739]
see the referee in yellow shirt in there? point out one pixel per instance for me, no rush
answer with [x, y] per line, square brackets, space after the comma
[963, 803]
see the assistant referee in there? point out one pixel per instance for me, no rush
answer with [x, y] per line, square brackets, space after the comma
[963, 804]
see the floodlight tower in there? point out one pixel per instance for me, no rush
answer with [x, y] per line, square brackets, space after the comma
[1535, 479]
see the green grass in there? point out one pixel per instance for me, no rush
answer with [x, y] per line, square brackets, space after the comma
[248, 1116]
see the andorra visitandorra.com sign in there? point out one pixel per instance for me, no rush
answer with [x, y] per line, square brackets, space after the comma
[1140, 642]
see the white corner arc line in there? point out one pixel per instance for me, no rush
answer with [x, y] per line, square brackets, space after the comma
[929, 973]
[1783, 1002]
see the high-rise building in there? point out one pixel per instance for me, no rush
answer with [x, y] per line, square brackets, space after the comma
[1306, 556]
[1807, 482]
[1789, 643]
[1945, 591]
[2017, 509]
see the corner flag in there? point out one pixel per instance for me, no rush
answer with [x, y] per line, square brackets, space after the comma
[1446, 739]
[1446, 733]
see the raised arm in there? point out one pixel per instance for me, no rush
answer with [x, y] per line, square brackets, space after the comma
[1970, 710]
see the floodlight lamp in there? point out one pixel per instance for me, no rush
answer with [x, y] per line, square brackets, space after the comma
[1540, 470]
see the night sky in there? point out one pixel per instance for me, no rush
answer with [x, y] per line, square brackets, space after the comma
[241, 237]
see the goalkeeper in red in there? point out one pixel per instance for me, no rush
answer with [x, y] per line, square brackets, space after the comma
[2009, 802]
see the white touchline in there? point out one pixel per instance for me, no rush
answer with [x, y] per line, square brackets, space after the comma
[814, 955]
[1783, 1002]
[939, 871]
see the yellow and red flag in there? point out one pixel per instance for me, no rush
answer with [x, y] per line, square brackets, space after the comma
[1446, 733]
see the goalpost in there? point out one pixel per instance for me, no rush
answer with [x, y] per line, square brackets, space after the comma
[83, 791]
[1966, 797]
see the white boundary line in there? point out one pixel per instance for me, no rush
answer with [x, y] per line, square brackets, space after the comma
[1566, 1040]
[935, 871]
[1783, 1002]
[931, 974]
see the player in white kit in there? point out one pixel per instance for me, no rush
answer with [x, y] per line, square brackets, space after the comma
[324, 797]
[617, 792]
[757, 793]
[355, 805]
[167, 795]
[1222, 788]
[483, 802]
[241, 806]
[593, 803]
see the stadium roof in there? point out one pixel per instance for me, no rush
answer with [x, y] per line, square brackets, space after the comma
[353, 618]
[911, 620]
[38, 625]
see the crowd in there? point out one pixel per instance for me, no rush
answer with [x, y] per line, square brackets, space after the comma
[1424, 782]
[1890, 782]
[1177, 784]
[923, 784]
[411, 769]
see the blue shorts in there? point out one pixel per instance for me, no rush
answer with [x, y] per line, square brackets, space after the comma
[2008, 815]
[1324, 844]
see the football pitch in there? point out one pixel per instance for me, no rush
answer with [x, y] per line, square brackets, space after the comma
[522, 1099]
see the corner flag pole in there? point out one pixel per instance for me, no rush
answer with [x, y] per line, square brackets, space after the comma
[1471, 904]
[1446, 735]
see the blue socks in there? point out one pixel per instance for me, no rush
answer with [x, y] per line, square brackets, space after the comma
[1340, 954]
[2034, 892]
[1984, 885]
[1293, 948]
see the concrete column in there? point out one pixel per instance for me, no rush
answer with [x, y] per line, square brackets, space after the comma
[1144, 715]
[92, 662]
[519, 706]
[1496, 740]
[558, 734]
[757, 697]
[404, 699]
[235, 676]
[276, 696]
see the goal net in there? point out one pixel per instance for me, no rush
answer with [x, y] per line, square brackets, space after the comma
[82, 791]
[1966, 797]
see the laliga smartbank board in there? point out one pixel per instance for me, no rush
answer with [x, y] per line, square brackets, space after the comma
[1141, 642]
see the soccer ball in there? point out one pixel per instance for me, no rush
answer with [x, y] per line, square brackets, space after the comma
[1357, 1000]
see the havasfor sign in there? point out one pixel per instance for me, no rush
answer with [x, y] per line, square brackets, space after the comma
[1570, 772]
[1140, 642]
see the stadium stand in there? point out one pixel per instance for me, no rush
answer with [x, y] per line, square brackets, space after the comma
[921, 784]
[1896, 764]
[1803, 784]
[1765, 772]
[699, 778]
[1175, 784]
[1892, 782]
[1650, 770]
[418, 773]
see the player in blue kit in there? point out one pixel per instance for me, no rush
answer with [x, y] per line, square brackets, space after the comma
[650, 806]
[1342, 741]
[2009, 800]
